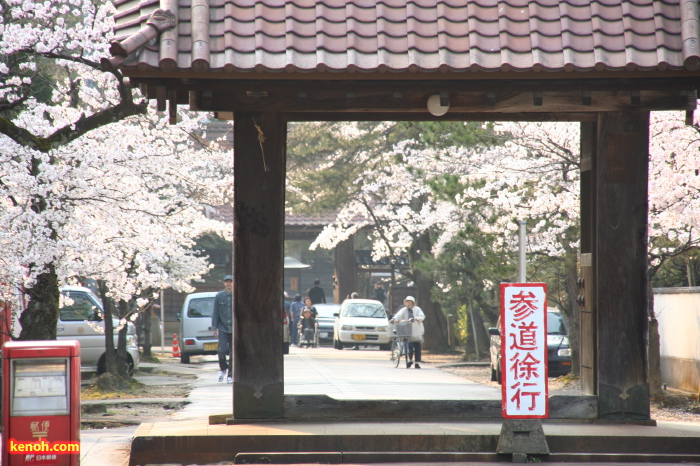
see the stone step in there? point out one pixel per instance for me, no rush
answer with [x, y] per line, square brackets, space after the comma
[323, 407]
[452, 457]
[355, 457]
[374, 445]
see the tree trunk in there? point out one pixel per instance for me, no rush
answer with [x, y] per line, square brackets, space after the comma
[40, 318]
[691, 272]
[482, 338]
[492, 313]
[435, 321]
[147, 333]
[121, 341]
[108, 303]
[476, 331]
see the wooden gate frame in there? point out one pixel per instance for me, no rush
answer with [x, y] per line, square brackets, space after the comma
[613, 217]
[611, 102]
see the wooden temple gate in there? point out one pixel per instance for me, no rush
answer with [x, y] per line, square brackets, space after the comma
[603, 64]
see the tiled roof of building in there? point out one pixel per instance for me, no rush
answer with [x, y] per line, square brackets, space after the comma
[224, 213]
[294, 36]
[315, 220]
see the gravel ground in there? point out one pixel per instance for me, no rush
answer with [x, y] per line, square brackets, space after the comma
[672, 406]
[115, 414]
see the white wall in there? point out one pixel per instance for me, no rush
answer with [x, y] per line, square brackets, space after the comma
[678, 313]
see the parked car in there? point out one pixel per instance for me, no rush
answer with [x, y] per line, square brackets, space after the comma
[196, 336]
[361, 322]
[326, 320]
[558, 349]
[558, 346]
[81, 318]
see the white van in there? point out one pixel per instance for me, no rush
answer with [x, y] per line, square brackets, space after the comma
[79, 319]
[196, 334]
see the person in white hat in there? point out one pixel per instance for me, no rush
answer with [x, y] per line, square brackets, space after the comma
[406, 313]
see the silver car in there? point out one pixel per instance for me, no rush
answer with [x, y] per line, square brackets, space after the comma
[196, 334]
[80, 318]
[325, 320]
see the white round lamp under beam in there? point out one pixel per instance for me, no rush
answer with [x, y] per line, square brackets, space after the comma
[435, 107]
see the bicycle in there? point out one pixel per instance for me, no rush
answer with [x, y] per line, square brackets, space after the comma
[399, 345]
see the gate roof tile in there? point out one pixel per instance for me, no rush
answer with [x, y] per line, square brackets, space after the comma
[296, 36]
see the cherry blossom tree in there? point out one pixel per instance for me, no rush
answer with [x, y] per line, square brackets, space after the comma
[537, 178]
[408, 202]
[125, 212]
[152, 203]
[533, 176]
[674, 185]
[93, 182]
[394, 197]
[325, 156]
[52, 91]
[674, 208]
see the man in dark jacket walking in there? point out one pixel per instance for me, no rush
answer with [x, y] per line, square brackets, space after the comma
[379, 293]
[316, 293]
[221, 323]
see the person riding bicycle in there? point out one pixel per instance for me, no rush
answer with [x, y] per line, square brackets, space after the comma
[412, 313]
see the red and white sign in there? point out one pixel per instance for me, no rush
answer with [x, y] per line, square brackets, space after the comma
[524, 350]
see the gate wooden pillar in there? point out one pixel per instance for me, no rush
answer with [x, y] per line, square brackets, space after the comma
[259, 144]
[345, 269]
[620, 262]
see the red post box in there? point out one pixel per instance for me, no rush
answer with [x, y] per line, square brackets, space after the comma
[41, 403]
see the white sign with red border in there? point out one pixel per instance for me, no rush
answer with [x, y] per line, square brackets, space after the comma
[524, 350]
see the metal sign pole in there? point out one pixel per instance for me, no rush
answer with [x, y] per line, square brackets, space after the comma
[522, 278]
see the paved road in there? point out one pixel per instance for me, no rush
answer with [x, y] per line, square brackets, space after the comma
[363, 374]
[347, 374]
[368, 374]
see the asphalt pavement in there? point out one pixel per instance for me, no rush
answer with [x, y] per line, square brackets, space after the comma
[349, 374]
[368, 374]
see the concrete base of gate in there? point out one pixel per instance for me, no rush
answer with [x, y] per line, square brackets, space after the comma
[403, 441]
[322, 407]
[521, 438]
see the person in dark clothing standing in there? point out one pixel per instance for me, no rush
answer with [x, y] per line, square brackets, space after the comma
[222, 323]
[379, 293]
[295, 315]
[316, 293]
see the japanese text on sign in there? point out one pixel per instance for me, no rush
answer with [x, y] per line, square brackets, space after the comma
[524, 350]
